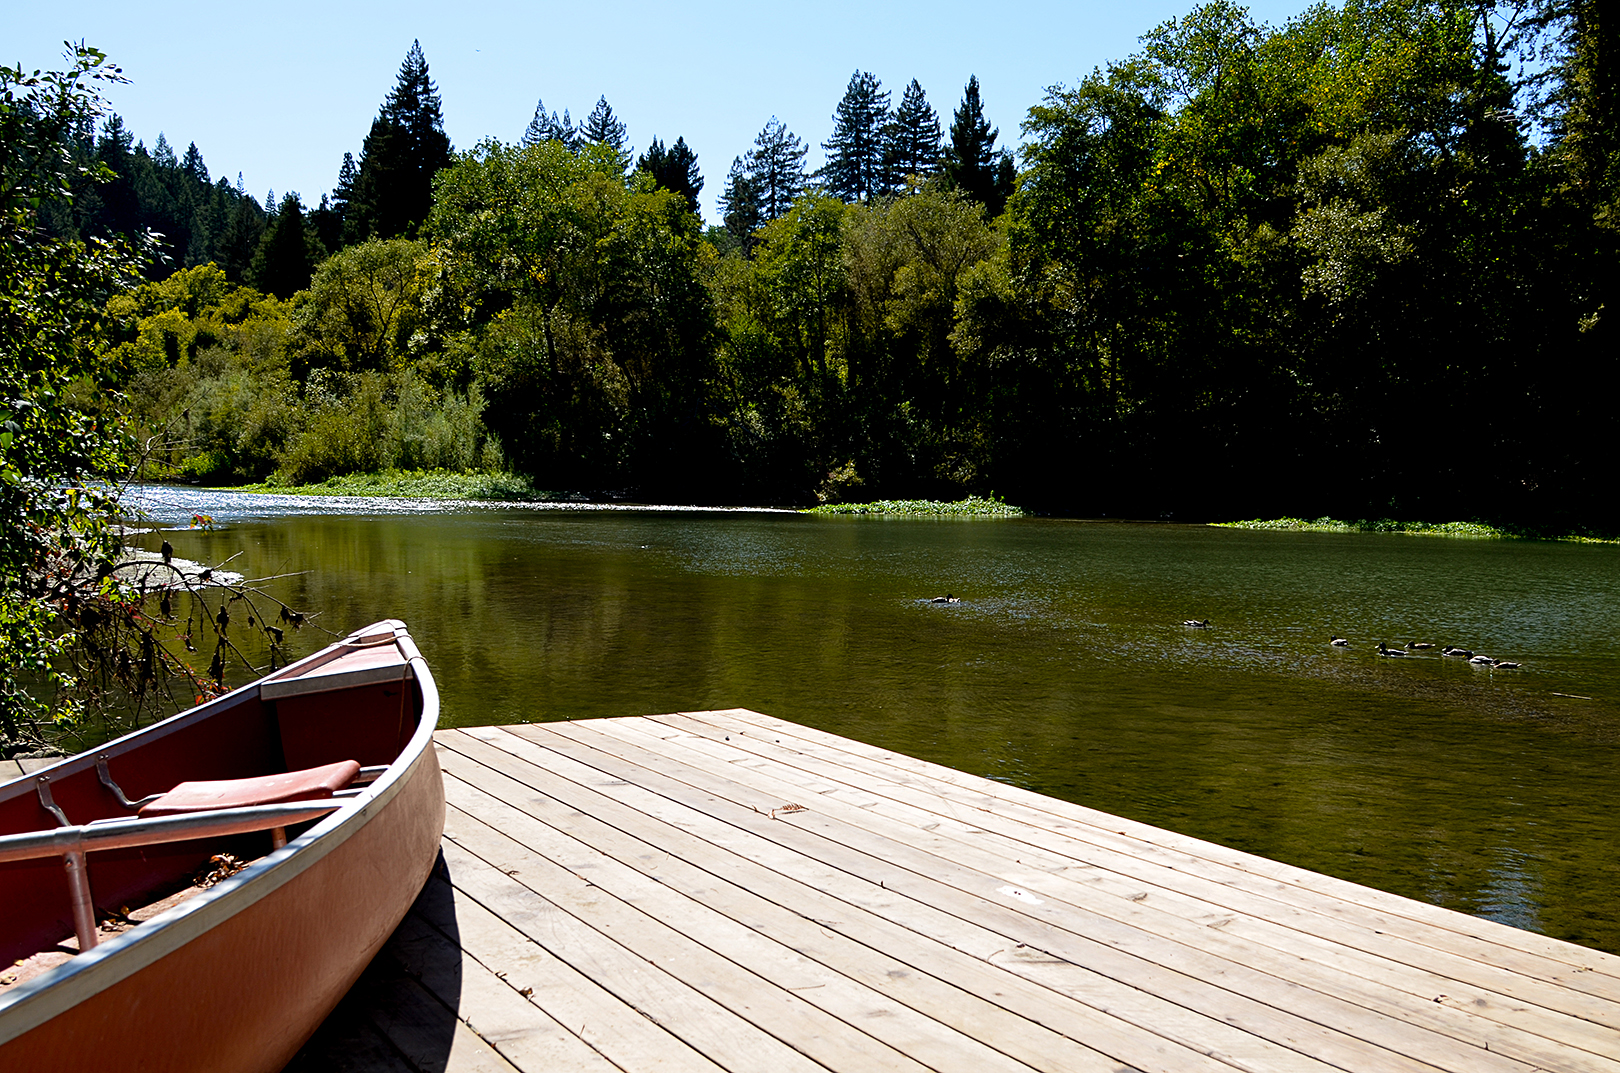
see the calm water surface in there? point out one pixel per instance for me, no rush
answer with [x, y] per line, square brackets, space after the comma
[1063, 668]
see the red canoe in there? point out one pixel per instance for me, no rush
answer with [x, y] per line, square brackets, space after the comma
[321, 777]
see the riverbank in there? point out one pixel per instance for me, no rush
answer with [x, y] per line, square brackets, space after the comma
[416, 484]
[1455, 530]
[511, 488]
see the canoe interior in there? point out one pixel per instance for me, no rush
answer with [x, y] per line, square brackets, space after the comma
[240, 736]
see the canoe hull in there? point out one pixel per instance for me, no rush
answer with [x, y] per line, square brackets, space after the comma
[241, 976]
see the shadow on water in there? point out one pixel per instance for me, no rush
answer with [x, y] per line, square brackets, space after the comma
[400, 1016]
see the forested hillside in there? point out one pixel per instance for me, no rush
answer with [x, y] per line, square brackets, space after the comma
[1359, 264]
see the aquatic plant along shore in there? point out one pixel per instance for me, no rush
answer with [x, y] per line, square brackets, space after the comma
[1461, 530]
[971, 507]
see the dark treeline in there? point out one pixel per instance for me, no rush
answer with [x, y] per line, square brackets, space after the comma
[1355, 265]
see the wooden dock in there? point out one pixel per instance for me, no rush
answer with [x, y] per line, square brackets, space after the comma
[727, 891]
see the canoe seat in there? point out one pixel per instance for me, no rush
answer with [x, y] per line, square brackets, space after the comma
[311, 783]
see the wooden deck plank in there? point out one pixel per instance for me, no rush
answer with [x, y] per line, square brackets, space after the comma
[404, 1016]
[727, 1038]
[525, 1035]
[1248, 930]
[933, 1044]
[778, 1011]
[1459, 1014]
[629, 894]
[1320, 992]
[1598, 1039]
[1488, 932]
[752, 896]
[1183, 975]
[619, 1032]
[1312, 913]
[1038, 987]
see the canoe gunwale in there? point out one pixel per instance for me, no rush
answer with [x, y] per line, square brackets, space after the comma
[37, 1001]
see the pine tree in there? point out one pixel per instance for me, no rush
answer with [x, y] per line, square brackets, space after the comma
[674, 169]
[601, 127]
[407, 146]
[549, 128]
[854, 170]
[326, 224]
[119, 210]
[240, 238]
[776, 168]
[972, 163]
[285, 260]
[912, 140]
[739, 204]
[343, 194]
[193, 167]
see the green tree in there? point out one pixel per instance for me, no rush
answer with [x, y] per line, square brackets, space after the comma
[56, 542]
[673, 169]
[288, 252]
[592, 331]
[362, 306]
[603, 128]
[911, 141]
[972, 163]
[545, 127]
[406, 148]
[740, 206]
[237, 243]
[855, 169]
[918, 401]
[343, 193]
[775, 167]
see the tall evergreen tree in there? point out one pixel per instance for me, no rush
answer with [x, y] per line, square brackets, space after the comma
[285, 260]
[549, 128]
[911, 142]
[192, 165]
[119, 205]
[776, 168]
[674, 169]
[601, 127]
[407, 146]
[344, 193]
[240, 238]
[739, 204]
[972, 163]
[855, 168]
[326, 224]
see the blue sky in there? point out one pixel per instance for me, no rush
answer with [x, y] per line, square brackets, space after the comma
[279, 93]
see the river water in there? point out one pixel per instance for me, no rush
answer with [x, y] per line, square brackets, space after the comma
[1064, 666]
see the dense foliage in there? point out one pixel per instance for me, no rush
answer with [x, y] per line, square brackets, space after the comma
[1357, 265]
[1320, 269]
[54, 532]
[86, 629]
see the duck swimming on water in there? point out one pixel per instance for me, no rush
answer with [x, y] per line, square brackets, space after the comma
[1418, 646]
[946, 599]
[1382, 651]
[1338, 642]
[1196, 624]
[1459, 653]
